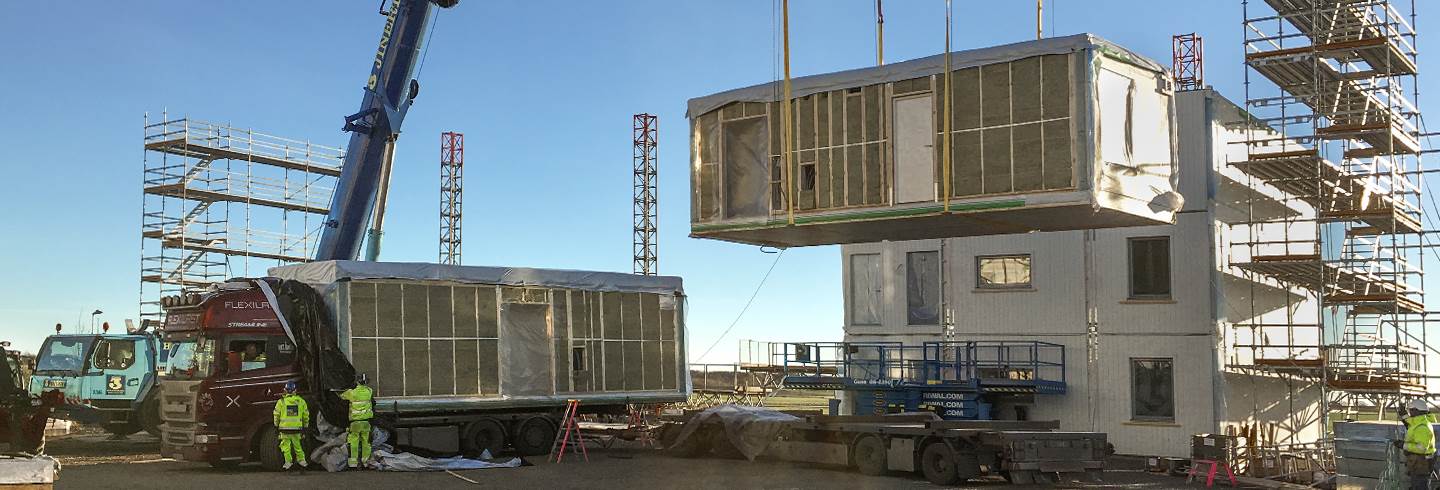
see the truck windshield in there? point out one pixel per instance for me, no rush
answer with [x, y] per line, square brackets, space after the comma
[63, 354]
[14, 362]
[190, 359]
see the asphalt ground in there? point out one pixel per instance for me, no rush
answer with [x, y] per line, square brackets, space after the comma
[96, 461]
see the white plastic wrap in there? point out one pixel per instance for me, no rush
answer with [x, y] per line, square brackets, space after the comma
[328, 271]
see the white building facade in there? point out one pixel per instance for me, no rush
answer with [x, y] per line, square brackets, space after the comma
[1145, 314]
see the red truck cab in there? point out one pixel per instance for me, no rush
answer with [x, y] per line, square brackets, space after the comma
[230, 358]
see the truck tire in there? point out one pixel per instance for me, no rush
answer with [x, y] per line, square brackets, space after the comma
[938, 464]
[267, 449]
[534, 436]
[122, 429]
[869, 455]
[148, 415]
[485, 435]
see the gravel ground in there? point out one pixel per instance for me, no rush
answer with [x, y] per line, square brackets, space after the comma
[95, 461]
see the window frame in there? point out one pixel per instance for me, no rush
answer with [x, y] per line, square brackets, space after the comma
[939, 285]
[1134, 400]
[1169, 293]
[850, 308]
[1030, 263]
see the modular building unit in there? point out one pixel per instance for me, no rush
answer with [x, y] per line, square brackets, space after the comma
[1058, 134]
[439, 337]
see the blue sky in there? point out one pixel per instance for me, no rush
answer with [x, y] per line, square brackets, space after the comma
[543, 90]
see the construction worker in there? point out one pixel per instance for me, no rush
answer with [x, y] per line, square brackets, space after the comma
[361, 411]
[1419, 443]
[292, 416]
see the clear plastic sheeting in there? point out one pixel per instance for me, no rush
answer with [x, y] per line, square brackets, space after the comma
[525, 348]
[747, 174]
[867, 287]
[922, 288]
[749, 429]
[324, 273]
[916, 68]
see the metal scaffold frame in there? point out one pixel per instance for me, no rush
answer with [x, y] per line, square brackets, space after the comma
[1335, 217]
[220, 202]
[644, 216]
[452, 172]
[1188, 61]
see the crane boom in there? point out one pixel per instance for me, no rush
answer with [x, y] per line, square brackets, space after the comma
[388, 94]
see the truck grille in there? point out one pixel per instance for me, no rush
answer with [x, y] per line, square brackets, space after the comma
[177, 411]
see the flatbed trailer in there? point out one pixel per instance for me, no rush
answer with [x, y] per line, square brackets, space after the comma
[942, 451]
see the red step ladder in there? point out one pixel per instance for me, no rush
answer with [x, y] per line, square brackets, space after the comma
[569, 434]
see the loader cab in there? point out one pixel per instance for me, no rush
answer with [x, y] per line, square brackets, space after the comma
[103, 378]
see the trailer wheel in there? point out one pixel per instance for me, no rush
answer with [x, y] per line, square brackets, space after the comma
[485, 435]
[534, 436]
[869, 455]
[938, 464]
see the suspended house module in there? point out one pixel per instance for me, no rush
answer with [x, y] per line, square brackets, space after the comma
[1058, 134]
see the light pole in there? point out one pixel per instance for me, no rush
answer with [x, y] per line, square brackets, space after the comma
[92, 319]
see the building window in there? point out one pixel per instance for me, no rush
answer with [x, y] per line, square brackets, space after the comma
[922, 288]
[1152, 389]
[577, 358]
[1150, 268]
[1002, 272]
[865, 289]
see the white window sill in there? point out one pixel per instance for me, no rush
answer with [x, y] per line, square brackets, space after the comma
[1156, 301]
[1151, 423]
[1005, 290]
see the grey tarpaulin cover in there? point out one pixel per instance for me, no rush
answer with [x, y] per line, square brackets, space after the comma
[325, 272]
[334, 455]
[920, 67]
[750, 429]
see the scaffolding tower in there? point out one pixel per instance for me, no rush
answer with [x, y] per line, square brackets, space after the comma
[221, 202]
[452, 171]
[1335, 226]
[644, 217]
[1188, 61]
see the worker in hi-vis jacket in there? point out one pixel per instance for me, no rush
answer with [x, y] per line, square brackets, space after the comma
[361, 411]
[292, 416]
[1419, 443]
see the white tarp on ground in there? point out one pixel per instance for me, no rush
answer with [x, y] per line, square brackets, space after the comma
[334, 455]
[749, 429]
[325, 272]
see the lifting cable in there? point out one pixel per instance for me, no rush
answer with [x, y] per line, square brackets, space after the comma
[745, 308]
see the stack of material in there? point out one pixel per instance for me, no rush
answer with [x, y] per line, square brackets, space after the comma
[1365, 457]
[30, 473]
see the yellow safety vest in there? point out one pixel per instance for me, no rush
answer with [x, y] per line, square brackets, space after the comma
[1419, 437]
[291, 413]
[360, 405]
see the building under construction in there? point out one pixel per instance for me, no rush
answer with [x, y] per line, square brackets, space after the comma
[222, 202]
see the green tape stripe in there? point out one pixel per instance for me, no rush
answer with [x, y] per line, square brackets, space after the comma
[860, 216]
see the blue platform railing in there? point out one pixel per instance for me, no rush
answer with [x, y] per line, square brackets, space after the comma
[993, 366]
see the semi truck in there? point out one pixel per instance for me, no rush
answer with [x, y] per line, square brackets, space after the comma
[105, 379]
[463, 359]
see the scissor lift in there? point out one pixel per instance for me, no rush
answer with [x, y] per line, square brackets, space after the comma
[958, 380]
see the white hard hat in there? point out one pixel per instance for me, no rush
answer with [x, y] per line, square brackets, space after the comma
[1419, 405]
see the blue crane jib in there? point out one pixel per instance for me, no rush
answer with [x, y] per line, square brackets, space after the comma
[388, 94]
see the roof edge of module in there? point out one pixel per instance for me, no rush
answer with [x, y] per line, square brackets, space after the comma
[920, 67]
[330, 271]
